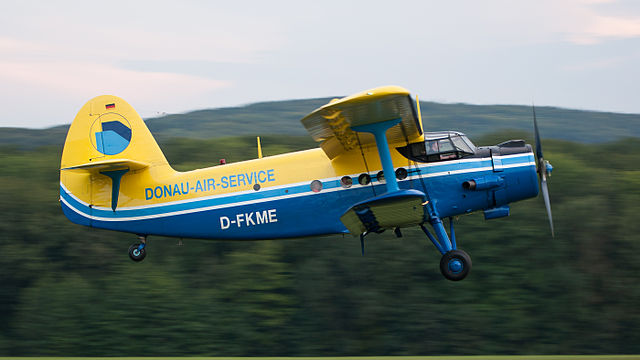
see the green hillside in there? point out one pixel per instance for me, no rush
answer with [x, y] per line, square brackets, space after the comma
[266, 118]
[283, 118]
[67, 290]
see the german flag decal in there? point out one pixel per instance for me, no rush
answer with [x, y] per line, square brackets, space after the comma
[110, 106]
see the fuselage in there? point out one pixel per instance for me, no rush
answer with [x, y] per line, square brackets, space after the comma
[297, 194]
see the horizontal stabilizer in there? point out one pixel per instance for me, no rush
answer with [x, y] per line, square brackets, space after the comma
[111, 164]
[392, 210]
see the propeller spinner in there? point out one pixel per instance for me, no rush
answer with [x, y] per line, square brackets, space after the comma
[544, 170]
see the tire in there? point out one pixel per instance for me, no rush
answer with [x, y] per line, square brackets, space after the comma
[455, 265]
[135, 254]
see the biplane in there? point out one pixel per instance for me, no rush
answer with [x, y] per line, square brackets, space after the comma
[375, 170]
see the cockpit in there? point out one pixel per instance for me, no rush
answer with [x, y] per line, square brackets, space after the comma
[439, 146]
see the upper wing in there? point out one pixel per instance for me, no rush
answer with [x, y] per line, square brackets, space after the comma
[331, 124]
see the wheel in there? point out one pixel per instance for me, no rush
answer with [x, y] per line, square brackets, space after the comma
[455, 265]
[135, 254]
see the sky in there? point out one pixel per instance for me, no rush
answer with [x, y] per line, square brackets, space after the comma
[177, 56]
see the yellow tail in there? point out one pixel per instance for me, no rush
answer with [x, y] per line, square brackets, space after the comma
[108, 128]
[108, 139]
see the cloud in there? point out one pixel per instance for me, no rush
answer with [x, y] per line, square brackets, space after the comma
[129, 30]
[49, 83]
[608, 26]
[82, 78]
[589, 23]
[11, 45]
[599, 63]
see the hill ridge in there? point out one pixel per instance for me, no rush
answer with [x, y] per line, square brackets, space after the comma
[283, 118]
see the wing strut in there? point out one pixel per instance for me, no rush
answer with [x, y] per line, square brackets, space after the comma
[379, 131]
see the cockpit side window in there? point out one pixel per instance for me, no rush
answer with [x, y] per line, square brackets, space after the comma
[432, 146]
[432, 150]
[445, 145]
[461, 145]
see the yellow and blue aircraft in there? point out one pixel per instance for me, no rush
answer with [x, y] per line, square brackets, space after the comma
[375, 170]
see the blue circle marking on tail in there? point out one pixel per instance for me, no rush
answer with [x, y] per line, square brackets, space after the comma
[114, 137]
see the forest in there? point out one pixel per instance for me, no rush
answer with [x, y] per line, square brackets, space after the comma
[67, 290]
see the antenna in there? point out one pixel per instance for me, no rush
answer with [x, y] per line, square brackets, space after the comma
[259, 148]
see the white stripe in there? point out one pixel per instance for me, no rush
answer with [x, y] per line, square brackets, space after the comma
[254, 201]
[73, 196]
[186, 201]
[454, 172]
[530, 163]
[200, 209]
[513, 155]
[221, 196]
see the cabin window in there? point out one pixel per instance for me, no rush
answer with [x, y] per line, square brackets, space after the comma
[346, 181]
[316, 186]
[401, 173]
[364, 179]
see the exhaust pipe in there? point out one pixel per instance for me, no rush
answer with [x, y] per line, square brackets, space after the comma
[483, 183]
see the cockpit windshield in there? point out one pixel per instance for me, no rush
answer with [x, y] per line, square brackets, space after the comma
[439, 146]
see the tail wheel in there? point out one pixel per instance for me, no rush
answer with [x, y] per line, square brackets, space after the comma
[136, 254]
[455, 265]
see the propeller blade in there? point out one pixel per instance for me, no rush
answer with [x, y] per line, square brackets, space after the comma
[547, 201]
[537, 134]
[542, 172]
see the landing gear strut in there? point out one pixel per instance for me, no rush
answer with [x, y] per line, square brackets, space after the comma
[455, 264]
[137, 251]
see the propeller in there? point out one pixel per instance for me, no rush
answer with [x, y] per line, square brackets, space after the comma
[544, 170]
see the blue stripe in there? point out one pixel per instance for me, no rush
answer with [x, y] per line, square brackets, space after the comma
[317, 213]
[215, 201]
[266, 194]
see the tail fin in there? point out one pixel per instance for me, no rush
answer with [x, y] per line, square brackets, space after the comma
[107, 139]
[107, 128]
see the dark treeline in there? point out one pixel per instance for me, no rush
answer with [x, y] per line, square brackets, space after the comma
[69, 290]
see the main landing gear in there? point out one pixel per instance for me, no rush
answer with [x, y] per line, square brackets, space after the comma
[137, 251]
[455, 264]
